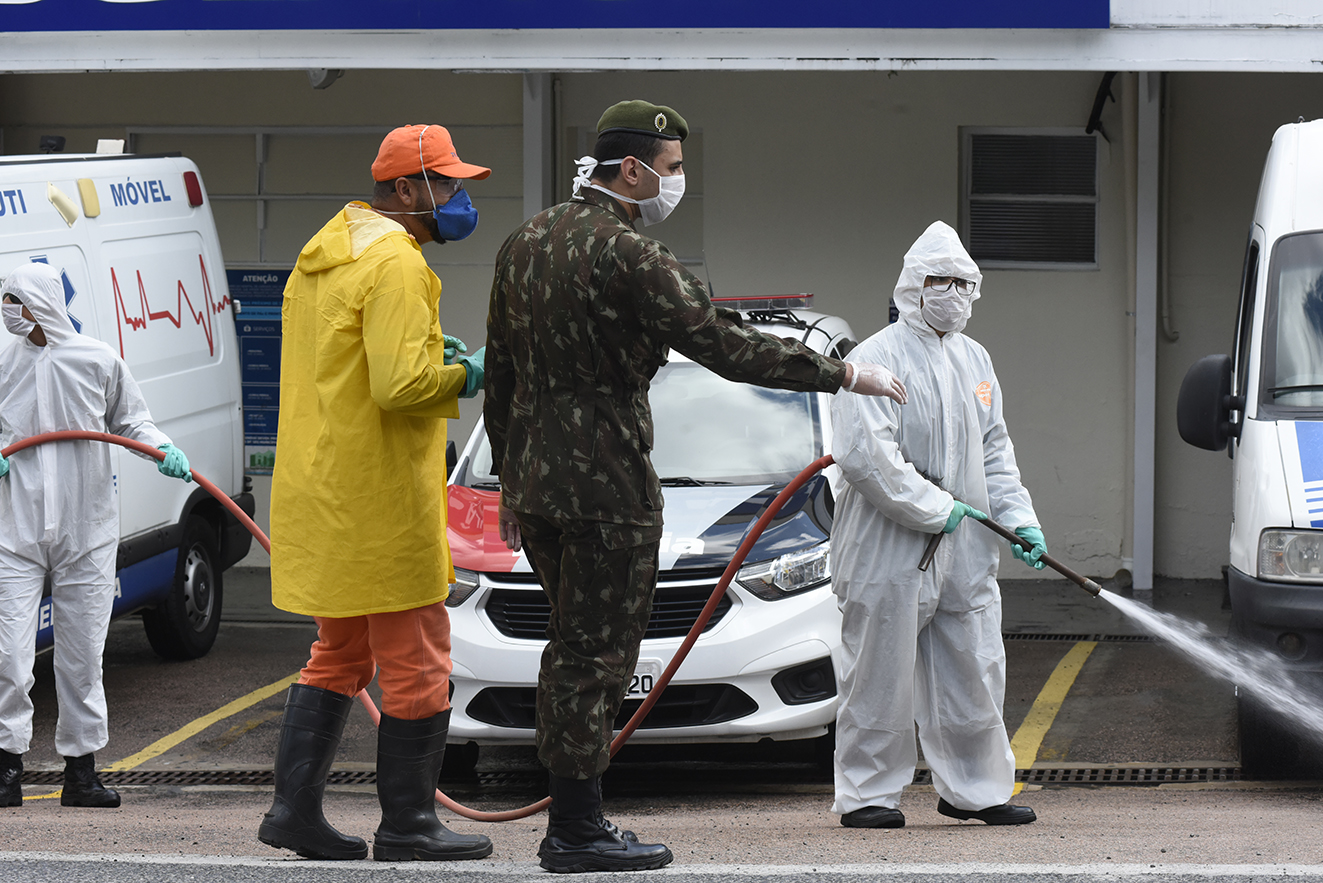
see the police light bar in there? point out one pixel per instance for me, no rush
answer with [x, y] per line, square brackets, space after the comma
[765, 302]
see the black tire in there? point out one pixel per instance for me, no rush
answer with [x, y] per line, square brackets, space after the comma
[460, 763]
[1270, 748]
[824, 750]
[184, 625]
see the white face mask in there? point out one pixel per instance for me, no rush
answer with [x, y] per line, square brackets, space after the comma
[15, 321]
[944, 310]
[652, 210]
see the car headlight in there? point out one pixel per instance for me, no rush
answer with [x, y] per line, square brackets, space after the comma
[1291, 555]
[465, 584]
[789, 574]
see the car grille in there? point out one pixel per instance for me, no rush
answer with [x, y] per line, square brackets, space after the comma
[681, 705]
[524, 613]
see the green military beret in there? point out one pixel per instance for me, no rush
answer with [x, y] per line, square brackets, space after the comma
[643, 118]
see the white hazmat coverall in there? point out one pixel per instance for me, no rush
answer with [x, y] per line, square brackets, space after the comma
[917, 646]
[59, 512]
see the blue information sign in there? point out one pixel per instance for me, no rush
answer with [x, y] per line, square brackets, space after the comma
[259, 293]
[268, 15]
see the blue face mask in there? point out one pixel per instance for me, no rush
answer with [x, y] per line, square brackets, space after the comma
[457, 218]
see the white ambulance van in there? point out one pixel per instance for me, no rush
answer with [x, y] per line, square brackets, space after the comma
[136, 247]
[1264, 405]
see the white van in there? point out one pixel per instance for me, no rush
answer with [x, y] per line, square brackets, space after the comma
[1264, 405]
[134, 241]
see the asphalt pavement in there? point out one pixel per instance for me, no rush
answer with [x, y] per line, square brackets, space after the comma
[746, 812]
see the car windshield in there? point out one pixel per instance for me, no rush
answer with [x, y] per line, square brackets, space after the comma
[711, 430]
[1295, 369]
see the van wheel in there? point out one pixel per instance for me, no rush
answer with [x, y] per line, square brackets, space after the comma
[1270, 748]
[184, 625]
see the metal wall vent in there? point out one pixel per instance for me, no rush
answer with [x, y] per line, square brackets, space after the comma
[1031, 200]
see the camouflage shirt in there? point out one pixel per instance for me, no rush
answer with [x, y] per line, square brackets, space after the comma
[583, 310]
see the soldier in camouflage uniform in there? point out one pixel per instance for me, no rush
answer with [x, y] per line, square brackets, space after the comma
[583, 310]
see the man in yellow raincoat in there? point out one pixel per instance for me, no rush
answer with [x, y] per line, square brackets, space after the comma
[358, 531]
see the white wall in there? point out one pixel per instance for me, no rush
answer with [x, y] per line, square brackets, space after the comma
[819, 182]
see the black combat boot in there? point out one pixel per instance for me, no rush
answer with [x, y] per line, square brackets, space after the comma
[11, 779]
[409, 756]
[580, 839]
[82, 787]
[309, 736]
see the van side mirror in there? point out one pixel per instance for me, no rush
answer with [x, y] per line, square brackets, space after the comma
[1203, 409]
[452, 457]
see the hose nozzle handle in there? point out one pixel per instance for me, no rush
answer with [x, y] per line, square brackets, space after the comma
[1083, 582]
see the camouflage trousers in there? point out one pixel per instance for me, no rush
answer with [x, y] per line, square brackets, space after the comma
[599, 579]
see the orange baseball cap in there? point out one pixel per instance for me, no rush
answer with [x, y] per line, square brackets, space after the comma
[406, 149]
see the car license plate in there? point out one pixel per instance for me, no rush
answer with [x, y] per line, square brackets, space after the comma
[645, 678]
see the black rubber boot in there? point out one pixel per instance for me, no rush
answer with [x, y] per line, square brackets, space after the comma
[1001, 814]
[83, 788]
[580, 839]
[309, 736]
[409, 756]
[11, 779]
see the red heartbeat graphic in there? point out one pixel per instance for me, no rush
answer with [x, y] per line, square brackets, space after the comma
[200, 317]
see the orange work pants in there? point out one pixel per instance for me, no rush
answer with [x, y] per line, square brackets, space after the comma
[411, 647]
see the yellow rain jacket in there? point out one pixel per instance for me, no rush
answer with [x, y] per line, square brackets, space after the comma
[358, 497]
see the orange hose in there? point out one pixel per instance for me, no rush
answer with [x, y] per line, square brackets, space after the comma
[628, 730]
[142, 447]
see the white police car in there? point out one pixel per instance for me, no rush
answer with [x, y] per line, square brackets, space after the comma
[723, 450]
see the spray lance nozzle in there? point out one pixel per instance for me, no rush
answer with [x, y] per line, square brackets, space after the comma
[1083, 582]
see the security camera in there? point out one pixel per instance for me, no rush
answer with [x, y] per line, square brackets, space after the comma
[323, 77]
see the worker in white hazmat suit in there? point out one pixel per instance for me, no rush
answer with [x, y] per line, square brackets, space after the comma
[59, 516]
[917, 646]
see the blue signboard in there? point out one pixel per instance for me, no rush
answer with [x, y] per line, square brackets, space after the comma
[259, 293]
[323, 15]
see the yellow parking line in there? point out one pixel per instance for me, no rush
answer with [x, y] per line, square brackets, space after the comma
[1029, 737]
[164, 744]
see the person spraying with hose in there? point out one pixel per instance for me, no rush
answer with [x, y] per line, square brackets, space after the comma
[59, 517]
[925, 645]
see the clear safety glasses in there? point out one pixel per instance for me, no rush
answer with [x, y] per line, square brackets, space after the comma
[944, 283]
[441, 185]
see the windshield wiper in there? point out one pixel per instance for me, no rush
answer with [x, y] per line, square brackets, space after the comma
[1303, 387]
[686, 481]
[486, 485]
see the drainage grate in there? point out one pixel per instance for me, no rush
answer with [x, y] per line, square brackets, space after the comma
[1114, 775]
[195, 777]
[1128, 776]
[524, 779]
[1111, 639]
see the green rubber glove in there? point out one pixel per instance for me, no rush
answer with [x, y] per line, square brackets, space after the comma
[175, 463]
[1030, 556]
[958, 512]
[474, 371]
[4, 465]
[454, 346]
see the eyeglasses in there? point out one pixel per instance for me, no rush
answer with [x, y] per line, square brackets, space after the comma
[13, 298]
[944, 283]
